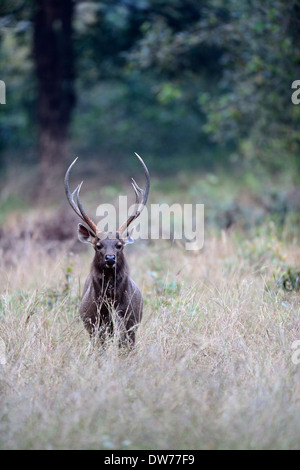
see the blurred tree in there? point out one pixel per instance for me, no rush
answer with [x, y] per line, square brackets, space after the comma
[121, 106]
[255, 47]
[17, 117]
[54, 65]
[167, 77]
[252, 104]
[124, 103]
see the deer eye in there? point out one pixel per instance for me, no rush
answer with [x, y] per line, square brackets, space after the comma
[99, 246]
[119, 246]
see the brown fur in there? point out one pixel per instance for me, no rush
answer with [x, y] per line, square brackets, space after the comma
[110, 298]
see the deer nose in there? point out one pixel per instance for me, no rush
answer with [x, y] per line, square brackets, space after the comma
[110, 260]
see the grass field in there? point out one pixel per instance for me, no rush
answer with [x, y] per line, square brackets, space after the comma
[212, 368]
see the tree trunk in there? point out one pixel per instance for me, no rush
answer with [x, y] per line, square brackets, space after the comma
[53, 55]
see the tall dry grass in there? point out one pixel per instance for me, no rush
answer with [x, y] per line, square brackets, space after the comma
[212, 367]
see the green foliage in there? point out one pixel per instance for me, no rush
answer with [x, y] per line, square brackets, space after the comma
[17, 118]
[246, 94]
[253, 101]
[166, 77]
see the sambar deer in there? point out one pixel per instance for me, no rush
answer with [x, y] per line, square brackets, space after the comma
[110, 297]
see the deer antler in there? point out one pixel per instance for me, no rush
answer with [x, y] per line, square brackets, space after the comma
[77, 207]
[141, 197]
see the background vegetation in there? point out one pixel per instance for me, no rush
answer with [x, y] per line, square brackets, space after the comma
[207, 80]
[202, 90]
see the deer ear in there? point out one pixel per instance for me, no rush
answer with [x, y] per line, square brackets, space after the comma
[85, 235]
[129, 240]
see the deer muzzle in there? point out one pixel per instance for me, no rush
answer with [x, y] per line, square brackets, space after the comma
[110, 261]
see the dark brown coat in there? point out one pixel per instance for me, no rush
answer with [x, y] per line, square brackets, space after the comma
[111, 300]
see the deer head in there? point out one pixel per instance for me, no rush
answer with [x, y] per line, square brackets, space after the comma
[107, 245]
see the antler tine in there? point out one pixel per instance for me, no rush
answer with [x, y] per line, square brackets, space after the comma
[147, 189]
[141, 197]
[85, 217]
[137, 196]
[70, 196]
[136, 186]
[139, 193]
[78, 209]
